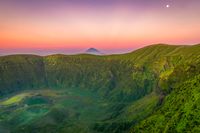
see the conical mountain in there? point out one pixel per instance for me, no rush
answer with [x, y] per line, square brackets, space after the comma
[93, 51]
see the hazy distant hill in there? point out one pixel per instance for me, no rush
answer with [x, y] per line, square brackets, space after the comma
[153, 89]
[93, 51]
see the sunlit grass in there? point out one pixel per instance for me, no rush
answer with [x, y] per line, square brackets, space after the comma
[20, 97]
[15, 99]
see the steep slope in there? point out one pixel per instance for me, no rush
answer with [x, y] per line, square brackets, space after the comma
[132, 89]
[179, 111]
[18, 72]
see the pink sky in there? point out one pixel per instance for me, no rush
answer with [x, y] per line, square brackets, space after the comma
[110, 28]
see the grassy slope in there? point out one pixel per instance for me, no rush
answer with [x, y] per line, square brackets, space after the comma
[180, 84]
[180, 111]
[140, 80]
[20, 72]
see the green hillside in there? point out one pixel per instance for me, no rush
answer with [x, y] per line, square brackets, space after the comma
[153, 89]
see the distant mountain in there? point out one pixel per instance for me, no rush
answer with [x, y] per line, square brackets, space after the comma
[93, 51]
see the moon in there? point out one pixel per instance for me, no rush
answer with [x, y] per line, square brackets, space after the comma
[168, 6]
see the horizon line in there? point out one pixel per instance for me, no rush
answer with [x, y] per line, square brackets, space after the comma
[36, 53]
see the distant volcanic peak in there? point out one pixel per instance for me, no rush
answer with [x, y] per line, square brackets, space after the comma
[93, 51]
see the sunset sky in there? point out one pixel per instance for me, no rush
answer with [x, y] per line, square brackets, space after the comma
[113, 26]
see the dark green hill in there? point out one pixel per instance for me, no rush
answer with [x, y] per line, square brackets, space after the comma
[136, 90]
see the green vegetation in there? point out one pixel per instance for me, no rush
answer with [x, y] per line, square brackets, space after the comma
[180, 111]
[14, 100]
[153, 89]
